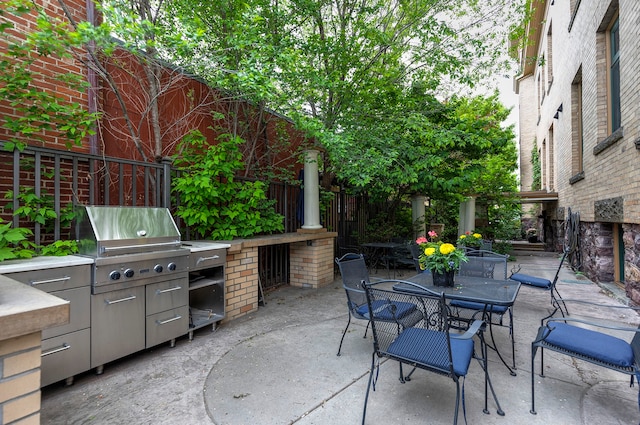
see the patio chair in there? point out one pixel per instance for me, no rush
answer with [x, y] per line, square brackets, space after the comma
[588, 341]
[490, 265]
[354, 275]
[545, 284]
[428, 345]
[415, 256]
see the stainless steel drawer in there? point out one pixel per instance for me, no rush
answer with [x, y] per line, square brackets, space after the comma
[55, 279]
[167, 295]
[65, 356]
[79, 311]
[117, 324]
[167, 325]
[206, 259]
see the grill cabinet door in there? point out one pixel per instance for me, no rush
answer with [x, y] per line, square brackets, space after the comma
[117, 324]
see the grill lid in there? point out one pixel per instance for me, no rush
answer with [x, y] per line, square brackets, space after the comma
[105, 230]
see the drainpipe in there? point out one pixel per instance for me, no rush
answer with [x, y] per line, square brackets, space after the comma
[311, 191]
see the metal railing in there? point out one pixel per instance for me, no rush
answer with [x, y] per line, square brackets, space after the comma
[46, 179]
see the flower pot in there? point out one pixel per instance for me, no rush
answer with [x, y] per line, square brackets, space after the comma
[443, 279]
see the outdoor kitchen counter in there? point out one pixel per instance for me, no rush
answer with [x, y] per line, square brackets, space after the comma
[41, 263]
[196, 246]
[237, 245]
[26, 309]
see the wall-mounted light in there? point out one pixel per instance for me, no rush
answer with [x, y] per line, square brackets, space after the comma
[557, 115]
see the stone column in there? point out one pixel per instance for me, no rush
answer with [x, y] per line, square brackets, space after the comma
[467, 219]
[417, 214]
[311, 191]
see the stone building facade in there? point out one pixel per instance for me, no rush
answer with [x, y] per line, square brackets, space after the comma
[579, 98]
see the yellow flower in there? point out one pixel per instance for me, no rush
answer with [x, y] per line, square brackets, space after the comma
[463, 236]
[477, 235]
[447, 248]
[429, 251]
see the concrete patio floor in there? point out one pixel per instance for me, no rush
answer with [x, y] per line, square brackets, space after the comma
[279, 366]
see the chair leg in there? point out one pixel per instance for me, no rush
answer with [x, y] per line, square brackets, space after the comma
[513, 341]
[487, 379]
[366, 397]
[344, 333]
[533, 387]
[455, 415]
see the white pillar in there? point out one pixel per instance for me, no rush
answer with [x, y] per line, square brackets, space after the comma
[467, 218]
[311, 191]
[417, 215]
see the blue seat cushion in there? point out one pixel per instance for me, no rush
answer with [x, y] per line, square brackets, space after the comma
[497, 309]
[429, 347]
[383, 311]
[596, 345]
[531, 280]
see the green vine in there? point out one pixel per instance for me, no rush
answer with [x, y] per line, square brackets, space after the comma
[536, 182]
[35, 109]
[211, 201]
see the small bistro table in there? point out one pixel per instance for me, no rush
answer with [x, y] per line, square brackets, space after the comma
[481, 290]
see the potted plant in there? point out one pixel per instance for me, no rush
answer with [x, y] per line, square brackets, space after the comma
[442, 259]
[470, 241]
[532, 235]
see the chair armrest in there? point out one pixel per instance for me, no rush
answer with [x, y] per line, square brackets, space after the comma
[593, 323]
[574, 300]
[475, 327]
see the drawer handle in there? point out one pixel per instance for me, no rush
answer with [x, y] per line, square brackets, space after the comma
[58, 279]
[64, 346]
[164, 291]
[203, 259]
[164, 322]
[109, 302]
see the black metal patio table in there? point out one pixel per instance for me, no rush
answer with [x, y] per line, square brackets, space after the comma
[491, 292]
[377, 252]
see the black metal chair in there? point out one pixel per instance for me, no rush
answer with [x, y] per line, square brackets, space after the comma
[490, 265]
[586, 340]
[415, 256]
[545, 284]
[428, 345]
[354, 275]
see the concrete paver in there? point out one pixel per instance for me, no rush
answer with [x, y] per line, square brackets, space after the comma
[278, 366]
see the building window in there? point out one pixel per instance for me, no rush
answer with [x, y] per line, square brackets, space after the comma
[550, 162]
[614, 75]
[549, 58]
[577, 136]
[543, 166]
[608, 56]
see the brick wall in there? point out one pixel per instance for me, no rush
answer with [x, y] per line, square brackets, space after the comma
[241, 283]
[311, 263]
[580, 49]
[20, 380]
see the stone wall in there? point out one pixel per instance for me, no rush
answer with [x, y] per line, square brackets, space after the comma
[596, 247]
[631, 241]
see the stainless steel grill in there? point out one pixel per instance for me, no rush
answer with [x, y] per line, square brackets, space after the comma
[131, 246]
[140, 279]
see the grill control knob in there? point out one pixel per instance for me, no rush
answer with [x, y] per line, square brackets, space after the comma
[128, 273]
[172, 266]
[114, 275]
[158, 268]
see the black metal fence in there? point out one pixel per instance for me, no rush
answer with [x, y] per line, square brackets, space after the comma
[41, 181]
